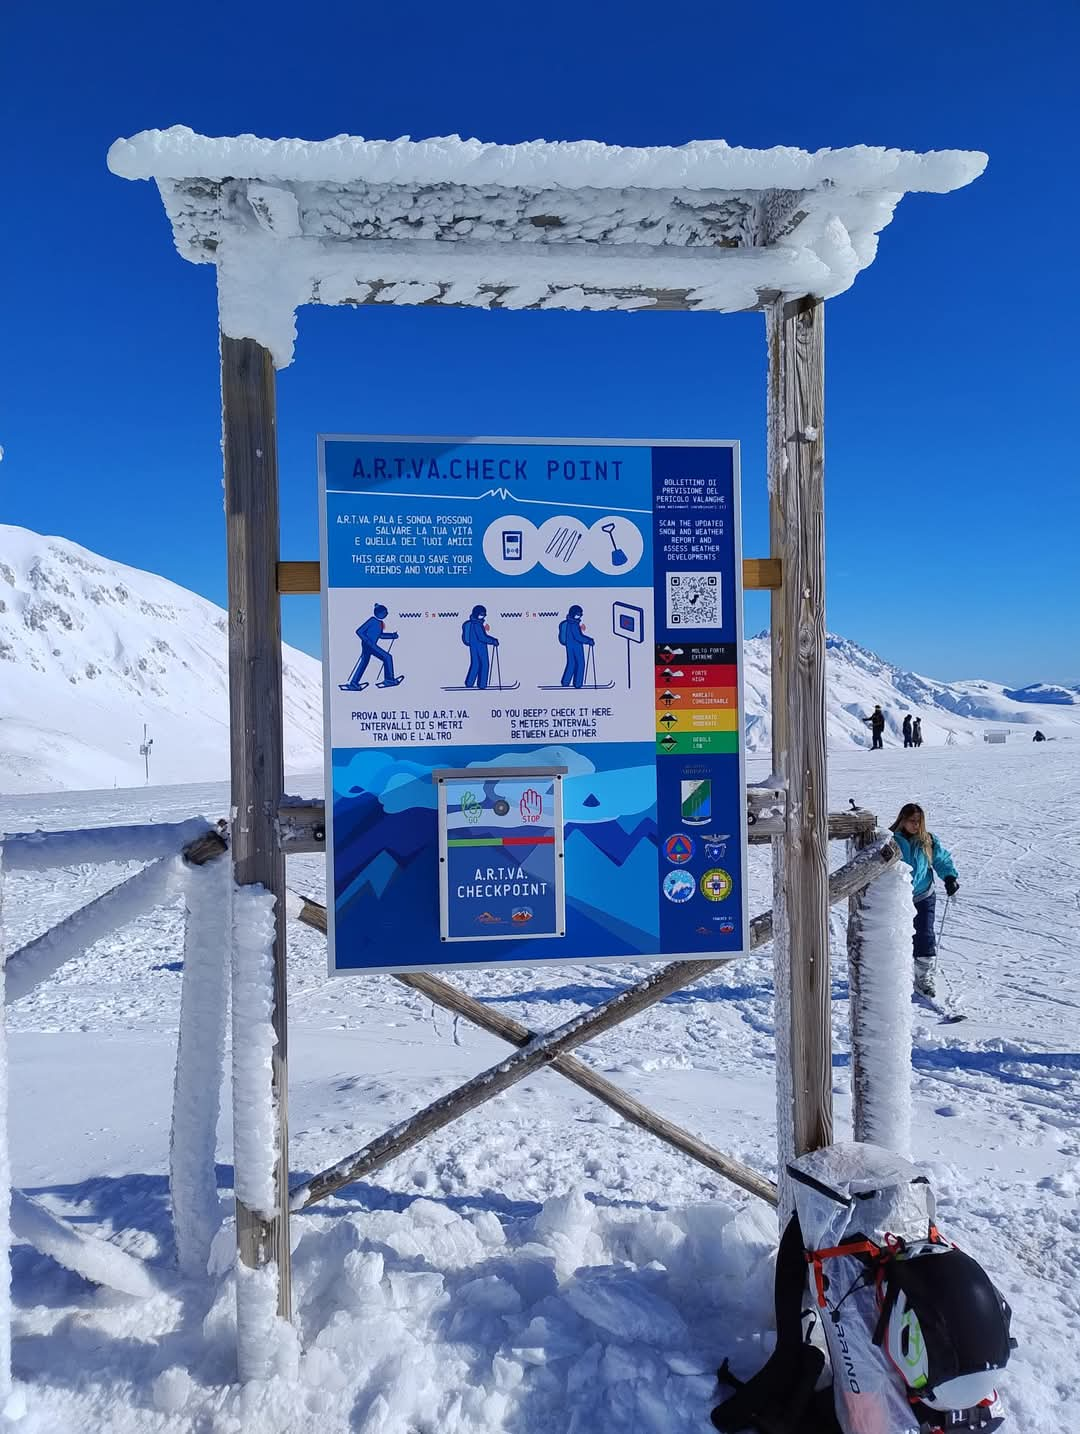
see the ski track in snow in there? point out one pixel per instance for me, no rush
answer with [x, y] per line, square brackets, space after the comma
[538, 1265]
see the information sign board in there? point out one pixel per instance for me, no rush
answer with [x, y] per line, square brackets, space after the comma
[568, 610]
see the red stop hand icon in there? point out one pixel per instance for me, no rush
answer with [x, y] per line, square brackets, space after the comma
[531, 805]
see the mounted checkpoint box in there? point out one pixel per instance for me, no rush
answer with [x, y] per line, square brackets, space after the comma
[501, 861]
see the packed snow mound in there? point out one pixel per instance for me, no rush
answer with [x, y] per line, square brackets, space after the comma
[91, 650]
[953, 713]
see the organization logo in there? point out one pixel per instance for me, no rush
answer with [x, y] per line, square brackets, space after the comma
[727, 928]
[471, 809]
[696, 800]
[715, 847]
[716, 884]
[679, 886]
[521, 914]
[679, 848]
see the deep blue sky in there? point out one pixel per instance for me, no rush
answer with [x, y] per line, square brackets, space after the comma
[952, 508]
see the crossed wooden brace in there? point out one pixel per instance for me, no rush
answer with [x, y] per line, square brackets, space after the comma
[552, 1048]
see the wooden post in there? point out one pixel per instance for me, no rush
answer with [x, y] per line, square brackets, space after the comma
[800, 858]
[856, 1015]
[249, 427]
[5, 1177]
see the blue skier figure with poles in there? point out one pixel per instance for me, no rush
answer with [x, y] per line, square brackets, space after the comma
[572, 637]
[475, 636]
[371, 634]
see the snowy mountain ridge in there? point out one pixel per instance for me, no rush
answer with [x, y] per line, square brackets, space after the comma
[91, 650]
[952, 713]
[1046, 692]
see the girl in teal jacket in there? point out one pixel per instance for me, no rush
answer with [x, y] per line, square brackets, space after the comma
[926, 856]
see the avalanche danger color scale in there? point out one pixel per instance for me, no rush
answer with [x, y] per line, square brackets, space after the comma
[532, 654]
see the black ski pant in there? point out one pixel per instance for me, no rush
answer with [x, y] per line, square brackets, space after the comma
[877, 742]
[924, 943]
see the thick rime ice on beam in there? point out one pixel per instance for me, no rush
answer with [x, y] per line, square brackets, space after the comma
[43, 851]
[567, 225]
[96, 1260]
[5, 1175]
[200, 1057]
[881, 1010]
[266, 1345]
[33, 963]
[254, 1126]
[179, 153]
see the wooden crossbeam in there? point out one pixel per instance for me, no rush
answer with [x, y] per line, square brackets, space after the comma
[543, 1050]
[302, 827]
[304, 577]
[462, 1004]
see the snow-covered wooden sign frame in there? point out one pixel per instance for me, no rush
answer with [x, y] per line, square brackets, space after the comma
[526, 226]
[582, 226]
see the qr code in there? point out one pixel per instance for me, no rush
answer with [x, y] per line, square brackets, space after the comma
[693, 600]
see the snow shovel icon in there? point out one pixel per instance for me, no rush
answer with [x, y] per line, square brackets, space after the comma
[618, 557]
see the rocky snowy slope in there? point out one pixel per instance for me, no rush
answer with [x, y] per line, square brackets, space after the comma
[953, 713]
[90, 650]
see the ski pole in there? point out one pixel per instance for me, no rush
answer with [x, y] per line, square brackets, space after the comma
[950, 992]
[498, 670]
[944, 916]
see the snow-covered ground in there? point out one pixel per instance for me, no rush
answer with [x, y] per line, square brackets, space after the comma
[539, 1266]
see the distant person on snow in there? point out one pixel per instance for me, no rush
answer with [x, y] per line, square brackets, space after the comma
[925, 855]
[907, 731]
[1038, 737]
[876, 722]
[916, 732]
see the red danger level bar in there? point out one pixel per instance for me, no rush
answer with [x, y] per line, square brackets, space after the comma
[712, 674]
